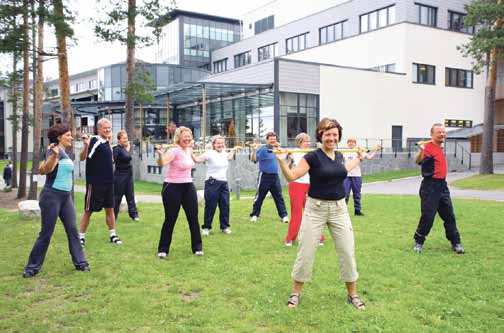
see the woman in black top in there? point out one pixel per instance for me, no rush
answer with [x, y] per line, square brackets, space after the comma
[123, 176]
[325, 206]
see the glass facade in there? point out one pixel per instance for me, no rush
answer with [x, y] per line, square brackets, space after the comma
[201, 36]
[298, 113]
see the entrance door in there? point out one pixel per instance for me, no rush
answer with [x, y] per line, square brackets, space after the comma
[397, 138]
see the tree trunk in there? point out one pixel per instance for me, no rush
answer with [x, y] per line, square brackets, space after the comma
[26, 103]
[37, 112]
[130, 70]
[64, 84]
[14, 119]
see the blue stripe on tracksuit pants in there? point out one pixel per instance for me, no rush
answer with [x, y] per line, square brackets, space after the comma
[216, 193]
[269, 182]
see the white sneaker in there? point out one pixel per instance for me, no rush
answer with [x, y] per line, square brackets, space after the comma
[321, 243]
[285, 219]
[198, 253]
[253, 219]
[288, 244]
[162, 255]
[227, 231]
[206, 232]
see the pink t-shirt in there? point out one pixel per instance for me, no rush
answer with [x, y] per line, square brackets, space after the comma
[179, 169]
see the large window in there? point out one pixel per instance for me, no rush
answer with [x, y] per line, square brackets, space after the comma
[389, 68]
[333, 32]
[422, 73]
[298, 113]
[296, 43]
[455, 77]
[242, 59]
[377, 19]
[456, 23]
[264, 24]
[427, 15]
[267, 52]
[220, 66]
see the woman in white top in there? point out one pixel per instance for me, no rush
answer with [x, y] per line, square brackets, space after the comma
[298, 190]
[216, 186]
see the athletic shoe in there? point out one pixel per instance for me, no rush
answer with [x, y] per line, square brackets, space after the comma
[198, 253]
[162, 255]
[288, 244]
[458, 248]
[418, 248]
[29, 274]
[136, 219]
[285, 219]
[83, 242]
[115, 239]
[205, 232]
[359, 213]
[227, 231]
[83, 268]
[321, 243]
[253, 219]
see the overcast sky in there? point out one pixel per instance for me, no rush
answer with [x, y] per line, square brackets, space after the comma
[90, 53]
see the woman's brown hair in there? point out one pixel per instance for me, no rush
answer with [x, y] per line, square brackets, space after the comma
[328, 124]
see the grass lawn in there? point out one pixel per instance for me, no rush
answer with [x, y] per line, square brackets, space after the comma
[4, 162]
[481, 182]
[242, 282]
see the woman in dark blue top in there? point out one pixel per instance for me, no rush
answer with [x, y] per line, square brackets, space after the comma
[56, 201]
[325, 206]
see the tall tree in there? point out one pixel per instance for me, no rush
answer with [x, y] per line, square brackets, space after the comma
[120, 24]
[486, 48]
[26, 102]
[37, 103]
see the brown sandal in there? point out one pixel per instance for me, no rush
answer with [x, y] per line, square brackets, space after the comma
[293, 300]
[356, 302]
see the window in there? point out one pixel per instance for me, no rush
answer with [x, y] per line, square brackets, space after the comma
[425, 74]
[456, 23]
[267, 52]
[389, 68]
[297, 43]
[220, 66]
[377, 19]
[332, 32]
[458, 78]
[242, 59]
[427, 15]
[264, 24]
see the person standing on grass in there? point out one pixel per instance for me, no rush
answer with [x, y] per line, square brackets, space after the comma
[56, 201]
[216, 185]
[325, 206]
[267, 179]
[178, 190]
[123, 176]
[353, 182]
[298, 190]
[99, 180]
[434, 192]
[7, 174]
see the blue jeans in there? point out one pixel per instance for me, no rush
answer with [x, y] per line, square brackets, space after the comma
[216, 193]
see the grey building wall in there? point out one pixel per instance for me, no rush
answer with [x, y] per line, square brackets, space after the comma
[299, 77]
[258, 73]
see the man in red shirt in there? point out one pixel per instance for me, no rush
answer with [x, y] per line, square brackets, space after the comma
[434, 193]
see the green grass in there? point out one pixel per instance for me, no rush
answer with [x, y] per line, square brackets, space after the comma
[481, 182]
[141, 187]
[4, 162]
[242, 282]
[389, 175]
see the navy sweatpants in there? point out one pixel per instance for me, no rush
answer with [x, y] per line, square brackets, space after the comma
[53, 204]
[353, 184]
[435, 198]
[268, 182]
[216, 193]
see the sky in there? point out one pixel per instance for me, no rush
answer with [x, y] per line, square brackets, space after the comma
[89, 53]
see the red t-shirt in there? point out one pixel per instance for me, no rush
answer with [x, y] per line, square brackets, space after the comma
[440, 167]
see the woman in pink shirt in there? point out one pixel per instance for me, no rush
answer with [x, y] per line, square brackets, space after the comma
[178, 190]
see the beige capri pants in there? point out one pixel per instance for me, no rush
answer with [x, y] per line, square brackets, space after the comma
[317, 214]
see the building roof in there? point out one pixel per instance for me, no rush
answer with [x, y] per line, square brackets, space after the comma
[178, 12]
[465, 133]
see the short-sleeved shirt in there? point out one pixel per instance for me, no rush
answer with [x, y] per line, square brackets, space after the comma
[217, 164]
[180, 167]
[61, 178]
[267, 160]
[435, 153]
[122, 158]
[326, 175]
[296, 157]
[355, 172]
[99, 163]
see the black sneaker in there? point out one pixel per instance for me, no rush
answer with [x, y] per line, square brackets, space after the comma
[83, 268]
[359, 213]
[458, 248]
[83, 242]
[29, 274]
[116, 240]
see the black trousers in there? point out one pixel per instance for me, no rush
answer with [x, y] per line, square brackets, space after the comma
[216, 193]
[176, 195]
[268, 182]
[435, 198]
[123, 186]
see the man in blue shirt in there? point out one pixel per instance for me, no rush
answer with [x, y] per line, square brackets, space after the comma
[268, 179]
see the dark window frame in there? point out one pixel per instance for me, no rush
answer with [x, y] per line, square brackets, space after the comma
[341, 26]
[247, 56]
[218, 64]
[417, 81]
[272, 45]
[451, 13]
[419, 7]
[459, 72]
[305, 34]
[377, 20]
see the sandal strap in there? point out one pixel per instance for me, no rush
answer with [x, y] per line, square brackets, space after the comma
[292, 300]
[358, 303]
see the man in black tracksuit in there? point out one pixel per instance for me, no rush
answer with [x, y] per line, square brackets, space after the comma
[123, 176]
